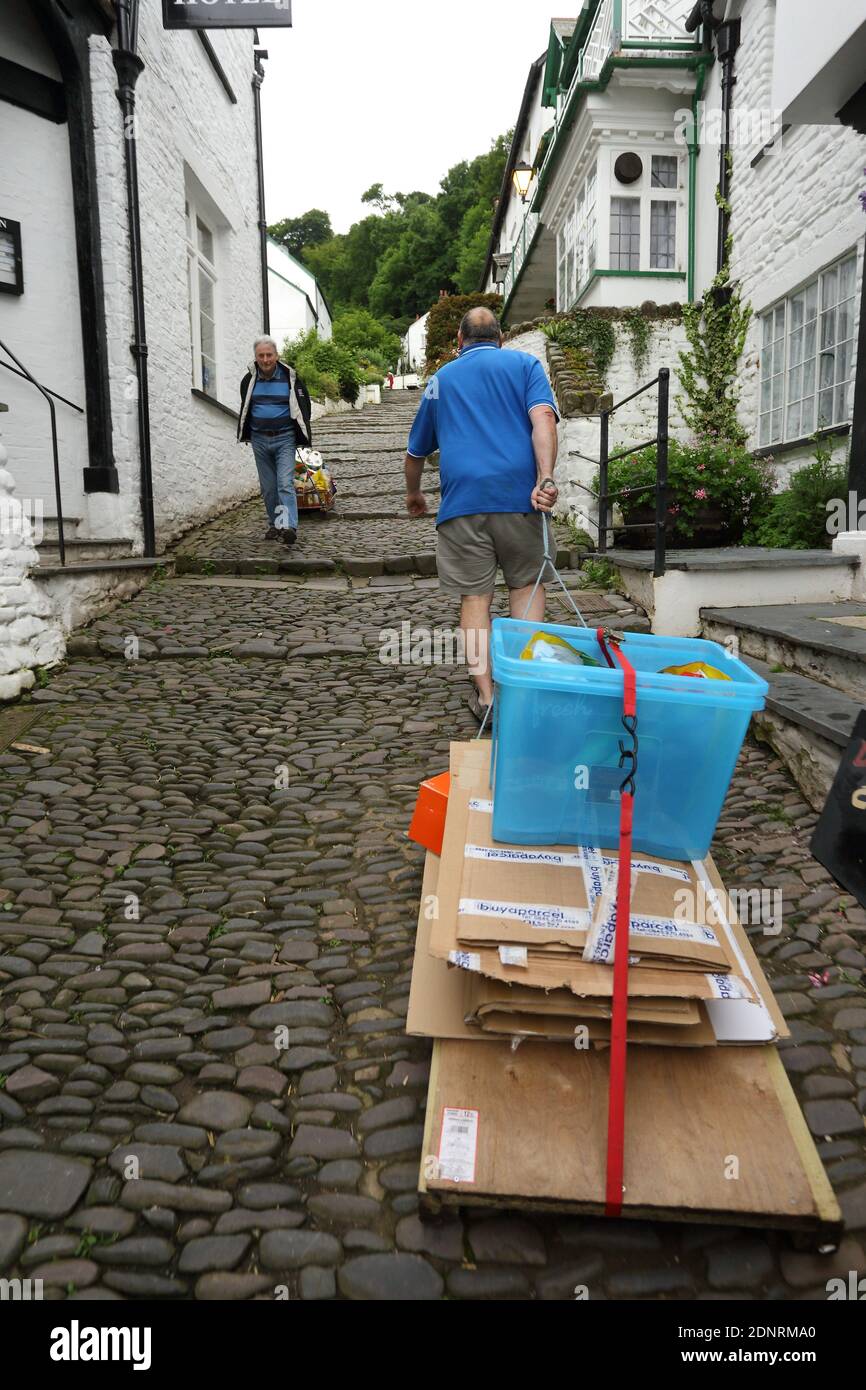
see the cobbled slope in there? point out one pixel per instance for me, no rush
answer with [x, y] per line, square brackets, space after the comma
[207, 919]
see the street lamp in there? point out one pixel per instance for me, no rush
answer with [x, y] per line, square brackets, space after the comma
[522, 176]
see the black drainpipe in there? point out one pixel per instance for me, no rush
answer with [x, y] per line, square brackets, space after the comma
[258, 79]
[727, 39]
[129, 67]
[727, 43]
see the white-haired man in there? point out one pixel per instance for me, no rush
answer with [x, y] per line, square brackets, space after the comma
[275, 419]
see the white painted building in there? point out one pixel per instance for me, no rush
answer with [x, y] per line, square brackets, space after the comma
[296, 298]
[413, 353]
[71, 326]
[627, 180]
[66, 288]
[519, 241]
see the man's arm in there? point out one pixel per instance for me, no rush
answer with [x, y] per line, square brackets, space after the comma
[422, 443]
[416, 502]
[544, 446]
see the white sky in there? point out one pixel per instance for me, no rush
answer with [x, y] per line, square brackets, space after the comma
[363, 91]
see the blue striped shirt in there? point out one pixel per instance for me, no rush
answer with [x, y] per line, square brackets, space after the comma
[270, 403]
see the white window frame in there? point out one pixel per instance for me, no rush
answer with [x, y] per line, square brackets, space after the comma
[201, 266]
[577, 242]
[642, 189]
[788, 370]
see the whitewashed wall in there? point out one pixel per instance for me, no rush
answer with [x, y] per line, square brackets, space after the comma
[186, 125]
[296, 302]
[42, 326]
[29, 634]
[579, 436]
[415, 344]
[796, 212]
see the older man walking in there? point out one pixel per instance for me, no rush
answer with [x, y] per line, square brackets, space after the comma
[492, 416]
[275, 419]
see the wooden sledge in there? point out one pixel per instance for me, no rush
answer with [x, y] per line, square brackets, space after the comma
[713, 1134]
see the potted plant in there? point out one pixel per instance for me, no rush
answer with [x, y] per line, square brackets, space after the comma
[716, 491]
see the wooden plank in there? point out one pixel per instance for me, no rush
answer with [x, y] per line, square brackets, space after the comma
[15, 720]
[693, 1118]
[822, 1191]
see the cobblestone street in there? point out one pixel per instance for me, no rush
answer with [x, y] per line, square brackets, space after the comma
[213, 849]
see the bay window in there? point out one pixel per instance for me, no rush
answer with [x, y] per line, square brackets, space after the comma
[807, 353]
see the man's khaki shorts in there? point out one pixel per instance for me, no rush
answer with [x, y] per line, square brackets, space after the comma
[469, 548]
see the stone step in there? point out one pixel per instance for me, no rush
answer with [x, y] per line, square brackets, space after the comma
[82, 550]
[420, 563]
[825, 642]
[808, 724]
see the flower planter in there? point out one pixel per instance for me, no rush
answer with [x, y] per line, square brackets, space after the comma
[711, 528]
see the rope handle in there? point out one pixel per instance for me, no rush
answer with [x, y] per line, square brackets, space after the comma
[546, 563]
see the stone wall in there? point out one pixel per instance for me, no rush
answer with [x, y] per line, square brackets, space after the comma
[29, 635]
[581, 398]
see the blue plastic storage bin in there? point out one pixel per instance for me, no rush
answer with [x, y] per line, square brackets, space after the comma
[551, 721]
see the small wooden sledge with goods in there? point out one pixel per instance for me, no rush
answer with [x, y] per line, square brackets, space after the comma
[315, 489]
[534, 1100]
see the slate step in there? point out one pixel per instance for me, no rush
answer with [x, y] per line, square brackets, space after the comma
[816, 640]
[807, 723]
[419, 563]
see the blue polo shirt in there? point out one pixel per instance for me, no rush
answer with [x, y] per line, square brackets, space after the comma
[475, 411]
[270, 403]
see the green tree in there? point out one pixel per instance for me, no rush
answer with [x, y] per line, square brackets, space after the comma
[413, 270]
[297, 233]
[472, 181]
[359, 331]
[471, 247]
[377, 196]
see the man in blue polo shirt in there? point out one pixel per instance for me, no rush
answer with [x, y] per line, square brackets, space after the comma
[492, 416]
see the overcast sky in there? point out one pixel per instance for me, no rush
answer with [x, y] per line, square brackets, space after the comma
[363, 91]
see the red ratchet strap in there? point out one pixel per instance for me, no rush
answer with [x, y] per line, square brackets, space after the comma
[616, 1092]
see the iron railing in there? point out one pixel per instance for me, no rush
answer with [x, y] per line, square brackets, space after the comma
[659, 487]
[50, 396]
[528, 228]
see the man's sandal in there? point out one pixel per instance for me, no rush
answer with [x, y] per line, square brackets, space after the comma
[479, 710]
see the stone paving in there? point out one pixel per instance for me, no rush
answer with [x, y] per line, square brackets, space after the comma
[207, 917]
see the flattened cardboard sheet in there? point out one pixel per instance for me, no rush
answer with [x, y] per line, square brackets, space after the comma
[549, 971]
[550, 896]
[438, 996]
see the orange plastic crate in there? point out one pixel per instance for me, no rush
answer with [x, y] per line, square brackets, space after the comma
[428, 821]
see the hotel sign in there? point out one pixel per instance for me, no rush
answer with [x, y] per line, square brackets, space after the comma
[226, 14]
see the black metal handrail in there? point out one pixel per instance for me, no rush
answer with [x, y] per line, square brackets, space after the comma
[48, 396]
[56, 394]
[660, 486]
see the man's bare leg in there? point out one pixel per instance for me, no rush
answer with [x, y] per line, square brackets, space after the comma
[518, 599]
[475, 626]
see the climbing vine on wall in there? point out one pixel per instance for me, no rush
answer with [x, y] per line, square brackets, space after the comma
[716, 330]
[638, 329]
